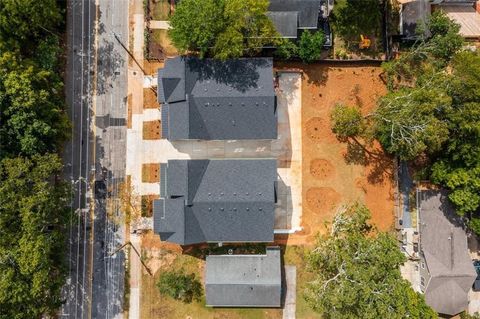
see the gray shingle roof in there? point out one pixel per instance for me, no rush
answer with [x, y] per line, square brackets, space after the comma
[213, 100]
[286, 22]
[443, 243]
[217, 201]
[306, 12]
[244, 280]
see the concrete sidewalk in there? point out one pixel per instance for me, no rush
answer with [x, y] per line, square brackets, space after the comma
[290, 305]
[156, 24]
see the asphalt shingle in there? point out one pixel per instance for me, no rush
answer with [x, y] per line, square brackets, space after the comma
[244, 280]
[234, 99]
[218, 201]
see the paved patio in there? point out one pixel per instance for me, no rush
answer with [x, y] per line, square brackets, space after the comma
[287, 149]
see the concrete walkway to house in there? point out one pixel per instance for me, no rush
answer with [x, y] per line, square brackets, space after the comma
[135, 278]
[135, 97]
[290, 306]
[156, 24]
[405, 187]
[287, 149]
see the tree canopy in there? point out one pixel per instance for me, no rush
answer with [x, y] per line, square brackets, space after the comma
[23, 22]
[180, 286]
[33, 216]
[33, 196]
[310, 45]
[352, 18]
[432, 110]
[357, 273]
[31, 104]
[222, 28]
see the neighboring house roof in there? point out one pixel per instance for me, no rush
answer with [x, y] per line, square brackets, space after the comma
[290, 15]
[216, 201]
[244, 280]
[214, 100]
[413, 14]
[286, 23]
[466, 16]
[443, 243]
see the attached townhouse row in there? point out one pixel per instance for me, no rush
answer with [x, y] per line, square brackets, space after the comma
[221, 200]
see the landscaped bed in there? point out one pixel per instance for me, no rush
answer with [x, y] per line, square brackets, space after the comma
[151, 130]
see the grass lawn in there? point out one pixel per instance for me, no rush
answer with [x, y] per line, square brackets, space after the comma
[160, 9]
[160, 44]
[295, 255]
[155, 305]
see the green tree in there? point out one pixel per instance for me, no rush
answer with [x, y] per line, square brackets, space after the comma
[310, 45]
[224, 28]
[457, 165]
[444, 40]
[347, 121]
[22, 22]
[33, 218]
[31, 104]
[180, 286]
[286, 49]
[408, 122]
[430, 54]
[352, 18]
[196, 25]
[357, 273]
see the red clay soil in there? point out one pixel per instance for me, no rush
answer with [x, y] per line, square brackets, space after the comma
[335, 173]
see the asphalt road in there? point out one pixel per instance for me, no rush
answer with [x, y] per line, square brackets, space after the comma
[96, 89]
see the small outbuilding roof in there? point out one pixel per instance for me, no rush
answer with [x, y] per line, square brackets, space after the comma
[443, 243]
[244, 280]
[216, 201]
[217, 100]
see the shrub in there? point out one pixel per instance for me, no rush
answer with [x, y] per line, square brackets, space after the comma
[310, 46]
[180, 286]
[286, 49]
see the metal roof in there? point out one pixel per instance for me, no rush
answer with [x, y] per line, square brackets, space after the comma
[244, 280]
[217, 201]
[214, 100]
[443, 243]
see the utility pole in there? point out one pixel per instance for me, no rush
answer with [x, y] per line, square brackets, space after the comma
[129, 53]
[138, 254]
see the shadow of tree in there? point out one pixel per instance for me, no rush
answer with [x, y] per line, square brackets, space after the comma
[380, 163]
[241, 74]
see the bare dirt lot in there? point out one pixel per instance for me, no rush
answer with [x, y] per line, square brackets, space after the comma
[337, 173]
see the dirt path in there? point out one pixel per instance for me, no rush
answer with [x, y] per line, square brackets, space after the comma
[336, 173]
